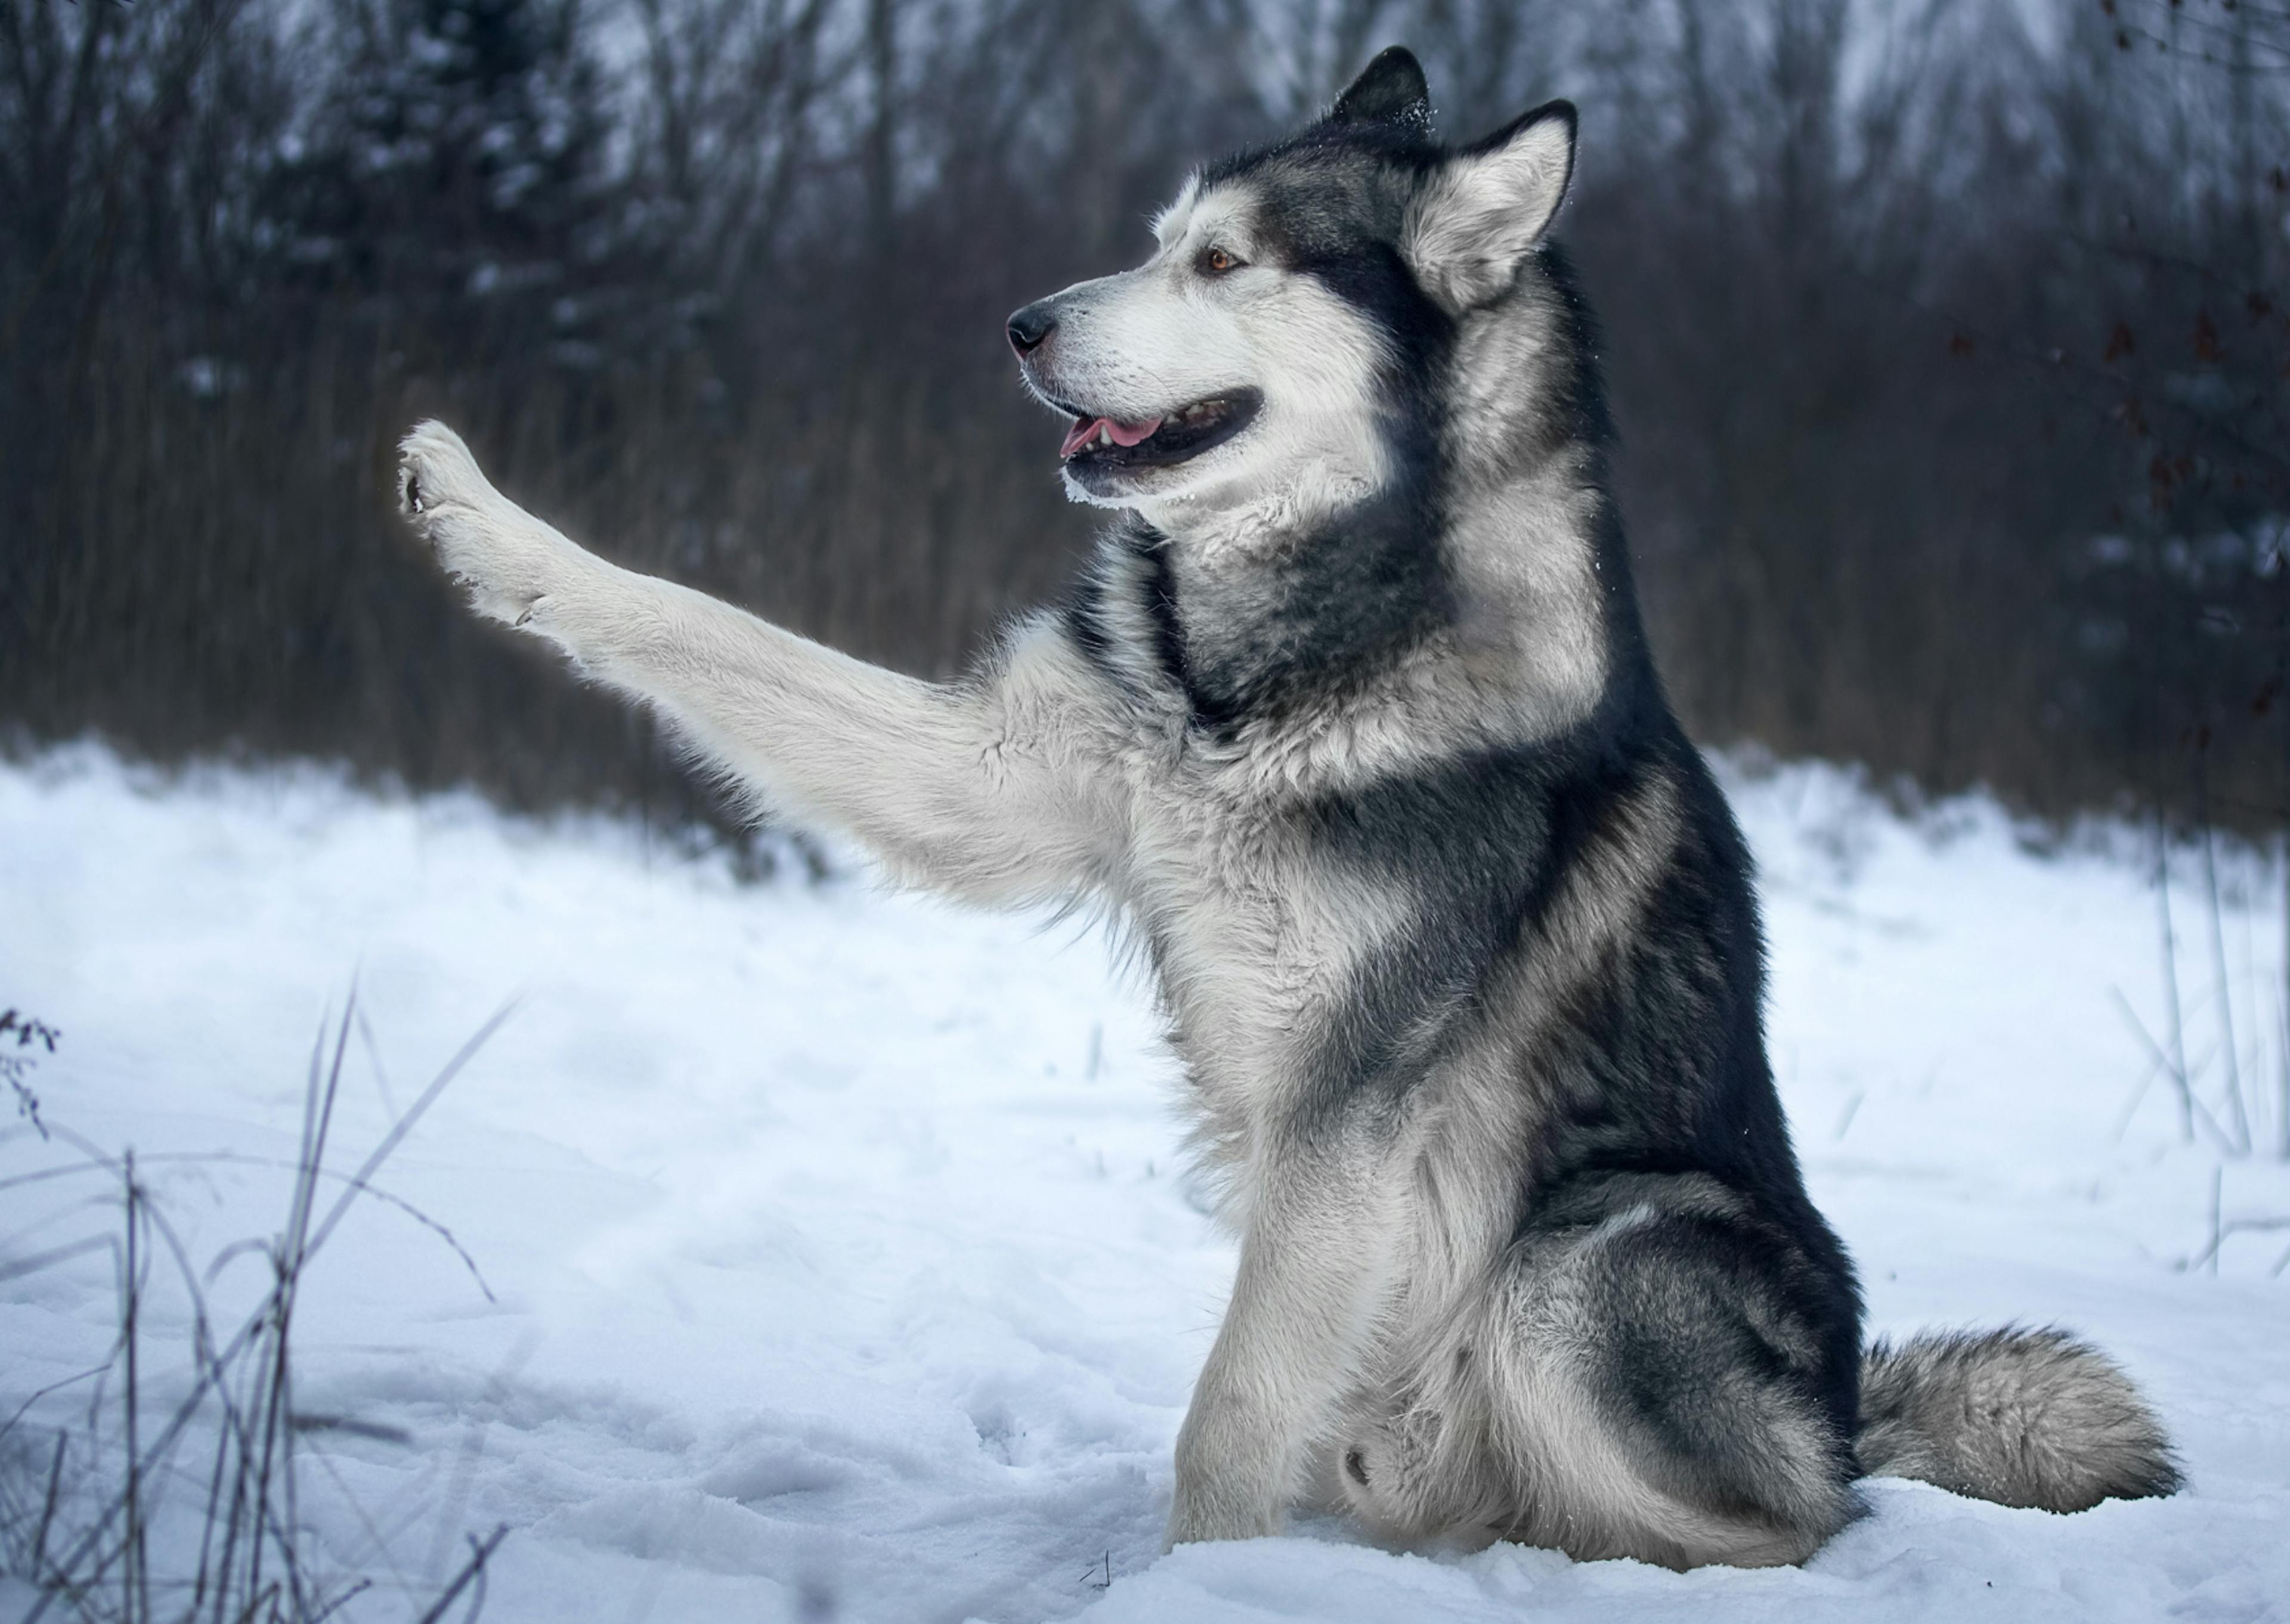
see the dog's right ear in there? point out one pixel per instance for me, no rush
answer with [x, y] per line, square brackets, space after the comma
[1489, 205]
[1390, 91]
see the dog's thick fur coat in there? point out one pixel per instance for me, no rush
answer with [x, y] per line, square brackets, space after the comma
[1351, 720]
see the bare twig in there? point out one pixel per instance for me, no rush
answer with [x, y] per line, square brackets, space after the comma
[2196, 1112]
[252, 1564]
[2236, 1113]
[136, 1573]
[472, 1573]
[39, 1562]
[2177, 1061]
[2219, 1231]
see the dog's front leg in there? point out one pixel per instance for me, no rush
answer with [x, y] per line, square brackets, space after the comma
[994, 789]
[1316, 1263]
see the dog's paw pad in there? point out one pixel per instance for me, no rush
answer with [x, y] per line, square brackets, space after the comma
[434, 469]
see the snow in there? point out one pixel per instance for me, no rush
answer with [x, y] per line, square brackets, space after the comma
[843, 1266]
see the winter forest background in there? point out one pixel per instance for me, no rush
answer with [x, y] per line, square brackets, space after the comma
[1948, 338]
[785, 1251]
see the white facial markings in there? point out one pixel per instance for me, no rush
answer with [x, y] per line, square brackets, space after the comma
[1221, 219]
[1150, 342]
[1315, 447]
[1169, 225]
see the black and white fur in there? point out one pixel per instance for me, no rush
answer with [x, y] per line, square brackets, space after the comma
[1352, 721]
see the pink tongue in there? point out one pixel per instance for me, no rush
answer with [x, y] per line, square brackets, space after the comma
[1085, 431]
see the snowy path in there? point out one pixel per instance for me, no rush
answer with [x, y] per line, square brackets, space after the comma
[835, 1281]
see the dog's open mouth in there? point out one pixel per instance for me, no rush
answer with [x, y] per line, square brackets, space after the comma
[1103, 442]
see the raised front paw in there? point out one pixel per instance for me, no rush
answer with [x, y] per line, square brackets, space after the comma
[500, 552]
[436, 474]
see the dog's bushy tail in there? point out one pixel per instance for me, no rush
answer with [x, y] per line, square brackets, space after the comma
[2023, 1418]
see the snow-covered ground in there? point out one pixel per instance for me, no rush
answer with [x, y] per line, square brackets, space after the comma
[842, 1263]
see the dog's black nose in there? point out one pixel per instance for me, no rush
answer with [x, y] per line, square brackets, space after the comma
[1030, 326]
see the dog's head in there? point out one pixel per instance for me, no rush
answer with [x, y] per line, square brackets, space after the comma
[1282, 332]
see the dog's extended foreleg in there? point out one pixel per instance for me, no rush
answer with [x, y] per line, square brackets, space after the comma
[978, 788]
[1314, 1264]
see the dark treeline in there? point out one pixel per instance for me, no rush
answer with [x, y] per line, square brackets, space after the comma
[1948, 340]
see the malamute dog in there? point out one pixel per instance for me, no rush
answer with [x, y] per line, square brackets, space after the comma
[1352, 722]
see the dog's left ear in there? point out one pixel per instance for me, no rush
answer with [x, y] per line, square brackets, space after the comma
[1390, 91]
[1487, 208]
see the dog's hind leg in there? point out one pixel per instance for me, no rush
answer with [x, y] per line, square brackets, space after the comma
[995, 788]
[1640, 1386]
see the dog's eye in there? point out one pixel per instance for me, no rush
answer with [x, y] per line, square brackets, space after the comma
[1216, 262]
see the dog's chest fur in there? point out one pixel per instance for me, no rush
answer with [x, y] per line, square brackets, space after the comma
[1288, 718]
[1254, 940]
[1254, 936]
